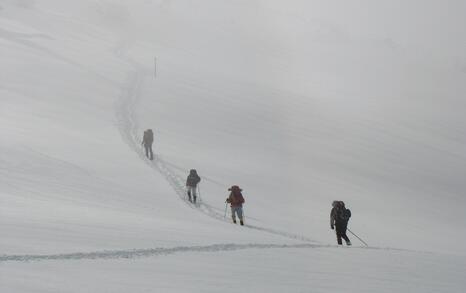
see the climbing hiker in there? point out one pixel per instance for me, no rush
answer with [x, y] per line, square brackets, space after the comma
[236, 201]
[339, 217]
[191, 184]
[147, 140]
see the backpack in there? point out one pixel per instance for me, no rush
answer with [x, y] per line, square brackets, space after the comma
[150, 135]
[344, 214]
[236, 198]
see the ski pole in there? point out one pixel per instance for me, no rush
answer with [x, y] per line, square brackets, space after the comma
[358, 237]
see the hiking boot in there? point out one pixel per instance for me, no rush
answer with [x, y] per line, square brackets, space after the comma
[241, 222]
[234, 221]
[348, 243]
[195, 197]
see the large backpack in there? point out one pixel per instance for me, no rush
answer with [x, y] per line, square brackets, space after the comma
[237, 197]
[344, 214]
[150, 135]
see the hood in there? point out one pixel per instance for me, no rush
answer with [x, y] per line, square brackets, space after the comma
[235, 188]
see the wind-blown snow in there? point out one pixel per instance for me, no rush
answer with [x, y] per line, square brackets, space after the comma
[299, 103]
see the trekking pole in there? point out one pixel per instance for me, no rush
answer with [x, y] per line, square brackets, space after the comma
[358, 238]
[226, 206]
[185, 193]
[199, 192]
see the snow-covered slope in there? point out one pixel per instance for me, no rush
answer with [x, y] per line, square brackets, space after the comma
[298, 103]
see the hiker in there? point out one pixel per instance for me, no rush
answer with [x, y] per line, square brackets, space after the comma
[339, 217]
[191, 184]
[147, 141]
[236, 201]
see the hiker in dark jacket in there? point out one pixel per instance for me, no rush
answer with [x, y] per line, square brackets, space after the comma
[339, 217]
[147, 141]
[236, 201]
[191, 184]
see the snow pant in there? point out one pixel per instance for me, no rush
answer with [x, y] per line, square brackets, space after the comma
[340, 229]
[192, 190]
[237, 211]
[149, 152]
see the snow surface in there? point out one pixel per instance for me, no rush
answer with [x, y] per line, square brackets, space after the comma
[300, 103]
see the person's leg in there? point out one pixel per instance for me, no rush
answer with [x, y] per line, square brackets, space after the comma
[194, 193]
[151, 152]
[344, 236]
[338, 229]
[189, 193]
[240, 215]
[348, 242]
[146, 147]
[233, 214]
[339, 238]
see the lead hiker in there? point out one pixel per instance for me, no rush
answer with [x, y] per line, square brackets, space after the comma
[339, 217]
[236, 201]
[147, 140]
[191, 184]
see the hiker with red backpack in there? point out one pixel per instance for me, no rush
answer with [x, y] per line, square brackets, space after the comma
[236, 201]
[339, 217]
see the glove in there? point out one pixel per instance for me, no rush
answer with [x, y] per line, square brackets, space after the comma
[331, 227]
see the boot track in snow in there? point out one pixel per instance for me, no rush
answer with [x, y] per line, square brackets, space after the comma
[153, 252]
[128, 128]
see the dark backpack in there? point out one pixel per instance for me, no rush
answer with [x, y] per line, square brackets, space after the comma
[344, 214]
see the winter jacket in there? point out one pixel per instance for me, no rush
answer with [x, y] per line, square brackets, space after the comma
[148, 137]
[235, 199]
[193, 179]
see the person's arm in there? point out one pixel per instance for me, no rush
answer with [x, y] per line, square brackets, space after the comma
[332, 219]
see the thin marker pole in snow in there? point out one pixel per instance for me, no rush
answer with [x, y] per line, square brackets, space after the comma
[358, 237]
